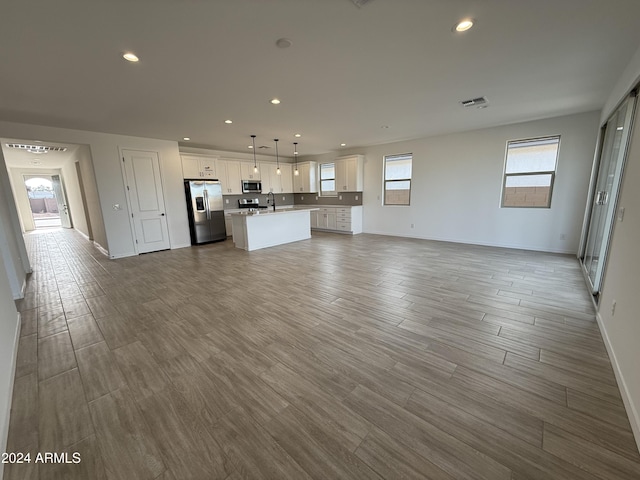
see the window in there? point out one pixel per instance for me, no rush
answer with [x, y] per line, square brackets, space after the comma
[397, 179]
[328, 179]
[529, 171]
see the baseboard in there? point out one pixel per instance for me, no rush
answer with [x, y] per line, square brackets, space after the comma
[632, 413]
[182, 245]
[21, 294]
[465, 242]
[101, 249]
[123, 255]
[86, 237]
[4, 434]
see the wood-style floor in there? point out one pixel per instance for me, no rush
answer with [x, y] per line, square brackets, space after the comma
[359, 357]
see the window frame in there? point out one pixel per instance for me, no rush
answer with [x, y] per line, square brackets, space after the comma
[327, 193]
[552, 173]
[385, 181]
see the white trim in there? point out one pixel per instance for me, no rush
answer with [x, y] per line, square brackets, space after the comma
[4, 434]
[632, 413]
[20, 294]
[182, 245]
[86, 237]
[103, 250]
[123, 255]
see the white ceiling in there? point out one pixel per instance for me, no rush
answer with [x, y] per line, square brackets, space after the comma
[349, 72]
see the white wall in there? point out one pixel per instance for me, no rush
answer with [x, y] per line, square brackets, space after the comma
[9, 332]
[622, 277]
[622, 274]
[457, 181]
[627, 81]
[12, 248]
[109, 179]
[92, 199]
[74, 196]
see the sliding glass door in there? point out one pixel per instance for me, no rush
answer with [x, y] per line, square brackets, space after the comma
[614, 148]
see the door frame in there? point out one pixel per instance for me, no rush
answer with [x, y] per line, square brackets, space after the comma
[132, 226]
[28, 175]
[593, 186]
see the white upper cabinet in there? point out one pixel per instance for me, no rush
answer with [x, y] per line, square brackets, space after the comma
[286, 178]
[230, 176]
[197, 166]
[349, 173]
[247, 171]
[231, 173]
[272, 182]
[305, 182]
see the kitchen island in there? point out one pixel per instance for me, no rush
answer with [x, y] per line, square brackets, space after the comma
[256, 230]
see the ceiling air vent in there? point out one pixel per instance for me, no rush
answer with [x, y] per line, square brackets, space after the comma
[36, 148]
[360, 3]
[475, 102]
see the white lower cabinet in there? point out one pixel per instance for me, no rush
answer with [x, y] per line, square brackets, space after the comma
[227, 224]
[338, 219]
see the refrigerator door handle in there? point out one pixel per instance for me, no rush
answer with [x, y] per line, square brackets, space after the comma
[206, 204]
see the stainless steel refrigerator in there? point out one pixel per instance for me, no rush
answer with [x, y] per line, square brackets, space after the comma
[206, 214]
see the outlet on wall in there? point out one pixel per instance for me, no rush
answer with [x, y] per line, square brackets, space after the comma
[339, 197]
[412, 225]
[356, 197]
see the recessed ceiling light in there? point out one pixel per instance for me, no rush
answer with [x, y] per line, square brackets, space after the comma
[463, 25]
[249, 146]
[283, 43]
[130, 57]
[343, 144]
[297, 135]
[186, 138]
[384, 127]
[228, 121]
[275, 101]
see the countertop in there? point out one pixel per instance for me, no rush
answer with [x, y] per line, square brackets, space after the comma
[271, 212]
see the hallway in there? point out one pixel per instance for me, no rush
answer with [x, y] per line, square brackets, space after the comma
[337, 357]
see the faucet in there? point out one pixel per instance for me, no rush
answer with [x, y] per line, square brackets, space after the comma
[274, 200]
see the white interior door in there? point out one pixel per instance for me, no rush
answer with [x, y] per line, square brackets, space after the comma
[61, 200]
[144, 187]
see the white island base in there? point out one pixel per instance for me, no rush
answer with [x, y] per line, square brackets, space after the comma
[256, 230]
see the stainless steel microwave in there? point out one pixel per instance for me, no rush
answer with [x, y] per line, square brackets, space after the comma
[251, 186]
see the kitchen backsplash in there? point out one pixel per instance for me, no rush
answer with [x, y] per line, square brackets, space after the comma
[231, 201]
[346, 198]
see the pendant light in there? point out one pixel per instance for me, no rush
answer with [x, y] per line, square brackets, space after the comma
[255, 165]
[295, 156]
[277, 159]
